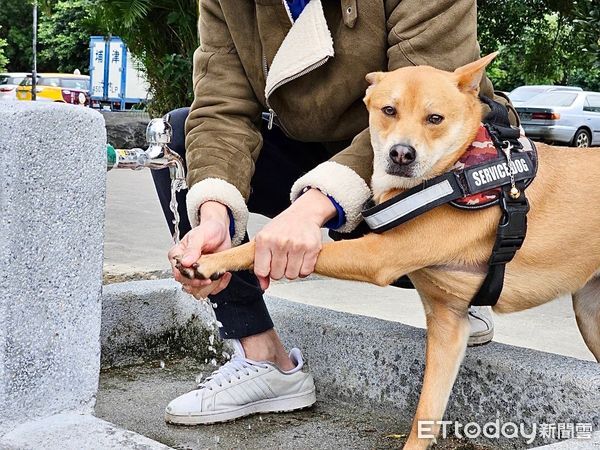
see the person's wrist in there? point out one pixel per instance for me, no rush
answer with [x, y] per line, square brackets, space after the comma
[216, 211]
[314, 206]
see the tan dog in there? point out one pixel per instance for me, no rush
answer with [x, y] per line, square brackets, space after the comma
[445, 250]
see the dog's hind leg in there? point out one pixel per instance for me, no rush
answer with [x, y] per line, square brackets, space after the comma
[447, 335]
[586, 303]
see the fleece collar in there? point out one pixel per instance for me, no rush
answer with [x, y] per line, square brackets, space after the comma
[308, 45]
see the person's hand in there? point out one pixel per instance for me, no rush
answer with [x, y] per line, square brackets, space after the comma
[211, 236]
[289, 245]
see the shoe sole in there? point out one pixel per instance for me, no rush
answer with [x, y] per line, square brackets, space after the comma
[272, 405]
[480, 339]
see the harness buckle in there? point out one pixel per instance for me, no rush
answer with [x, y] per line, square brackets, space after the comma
[511, 232]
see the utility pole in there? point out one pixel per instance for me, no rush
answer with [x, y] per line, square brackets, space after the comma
[34, 71]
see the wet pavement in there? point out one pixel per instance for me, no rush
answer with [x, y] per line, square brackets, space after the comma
[134, 398]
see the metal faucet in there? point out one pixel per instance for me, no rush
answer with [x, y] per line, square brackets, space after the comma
[157, 156]
[158, 135]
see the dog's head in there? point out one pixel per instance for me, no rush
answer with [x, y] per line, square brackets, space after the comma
[421, 120]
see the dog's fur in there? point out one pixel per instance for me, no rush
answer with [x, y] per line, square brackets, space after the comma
[445, 250]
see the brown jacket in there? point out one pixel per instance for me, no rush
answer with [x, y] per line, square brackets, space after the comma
[311, 75]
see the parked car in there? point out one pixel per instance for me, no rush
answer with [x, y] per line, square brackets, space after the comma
[57, 87]
[523, 94]
[8, 85]
[565, 117]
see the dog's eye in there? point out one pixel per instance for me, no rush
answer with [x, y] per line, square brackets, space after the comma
[389, 110]
[435, 119]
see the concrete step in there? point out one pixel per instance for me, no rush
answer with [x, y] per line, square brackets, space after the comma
[372, 364]
[135, 397]
[75, 431]
[549, 328]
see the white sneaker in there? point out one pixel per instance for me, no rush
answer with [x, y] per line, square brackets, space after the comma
[242, 387]
[482, 325]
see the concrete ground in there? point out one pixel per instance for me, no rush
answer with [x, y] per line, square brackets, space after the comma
[137, 240]
[134, 398]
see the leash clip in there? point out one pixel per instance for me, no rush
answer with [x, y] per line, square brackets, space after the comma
[507, 147]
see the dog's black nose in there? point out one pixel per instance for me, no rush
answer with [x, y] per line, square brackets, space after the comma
[403, 155]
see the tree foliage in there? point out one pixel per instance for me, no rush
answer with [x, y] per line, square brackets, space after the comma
[163, 35]
[3, 58]
[16, 30]
[64, 35]
[541, 42]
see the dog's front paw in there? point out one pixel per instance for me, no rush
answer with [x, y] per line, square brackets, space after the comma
[206, 268]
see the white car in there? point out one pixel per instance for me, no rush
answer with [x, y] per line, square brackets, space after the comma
[521, 95]
[8, 85]
[564, 117]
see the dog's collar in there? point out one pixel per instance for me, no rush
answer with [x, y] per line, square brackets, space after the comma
[474, 182]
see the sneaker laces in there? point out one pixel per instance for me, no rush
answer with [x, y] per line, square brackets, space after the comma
[234, 368]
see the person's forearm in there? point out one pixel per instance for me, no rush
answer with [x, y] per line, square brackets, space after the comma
[315, 206]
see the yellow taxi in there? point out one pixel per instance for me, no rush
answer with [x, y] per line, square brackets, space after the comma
[57, 87]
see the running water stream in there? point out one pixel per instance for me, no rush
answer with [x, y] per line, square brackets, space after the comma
[176, 186]
[159, 156]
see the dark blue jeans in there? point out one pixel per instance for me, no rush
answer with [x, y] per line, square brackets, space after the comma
[240, 307]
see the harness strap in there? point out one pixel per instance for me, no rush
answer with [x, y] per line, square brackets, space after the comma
[509, 238]
[443, 189]
[498, 114]
[412, 203]
[512, 228]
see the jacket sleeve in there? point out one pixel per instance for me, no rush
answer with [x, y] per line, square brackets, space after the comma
[222, 136]
[441, 34]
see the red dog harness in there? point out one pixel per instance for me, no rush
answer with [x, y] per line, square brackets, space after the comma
[494, 170]
[482, 151]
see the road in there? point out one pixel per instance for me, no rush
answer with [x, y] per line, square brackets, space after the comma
[137, 240]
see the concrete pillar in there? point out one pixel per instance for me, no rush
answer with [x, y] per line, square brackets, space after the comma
[52, 189]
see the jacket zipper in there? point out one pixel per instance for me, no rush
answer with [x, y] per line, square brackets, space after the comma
[272, 113]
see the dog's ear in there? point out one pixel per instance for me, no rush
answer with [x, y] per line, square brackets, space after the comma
[373, 78]
[469, 76]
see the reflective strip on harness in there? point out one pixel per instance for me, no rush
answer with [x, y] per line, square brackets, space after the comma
[448, 188]
[402, 208]
[414, 202]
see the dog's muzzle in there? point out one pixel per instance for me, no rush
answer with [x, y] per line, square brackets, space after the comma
[401, 159]
[403, 155]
